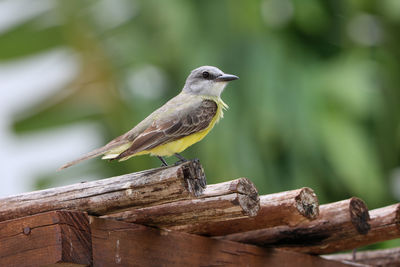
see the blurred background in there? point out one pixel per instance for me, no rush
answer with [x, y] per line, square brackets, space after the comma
[316, 105]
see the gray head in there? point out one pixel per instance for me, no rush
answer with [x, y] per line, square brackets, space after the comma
[208, 81]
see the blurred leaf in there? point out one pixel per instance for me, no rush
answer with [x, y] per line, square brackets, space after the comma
[28, 38]
[352, 158]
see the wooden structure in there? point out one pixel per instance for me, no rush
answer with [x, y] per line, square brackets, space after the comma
[169, 217]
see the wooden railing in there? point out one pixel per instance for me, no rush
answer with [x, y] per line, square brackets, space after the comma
[167, 216]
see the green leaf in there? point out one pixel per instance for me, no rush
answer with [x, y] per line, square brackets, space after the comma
[27, 39]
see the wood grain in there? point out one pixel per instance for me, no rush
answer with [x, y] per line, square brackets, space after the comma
[220, 202]
[385, 225]
[337, 221]
[285, 208]
[118, 243]
[380, 257]
[103, 196]
[57, 237]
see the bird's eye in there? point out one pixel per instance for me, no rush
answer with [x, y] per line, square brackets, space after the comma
[206, 74]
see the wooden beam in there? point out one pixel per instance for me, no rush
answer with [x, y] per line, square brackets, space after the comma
[117, 243]
[219, 202]
[380, 257]
[337, 221]
[103, 196]
[285, 208]
[57, 237]
[385, 225]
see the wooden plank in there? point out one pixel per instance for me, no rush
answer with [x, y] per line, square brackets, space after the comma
[284, 208]
[337, 221]
[57, 237]
[103, 196]
[380, 257]
[219, 202]
[117, 243]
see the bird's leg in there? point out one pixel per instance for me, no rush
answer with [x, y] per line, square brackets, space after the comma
[353, 254]
[164, 163]
[181, 159]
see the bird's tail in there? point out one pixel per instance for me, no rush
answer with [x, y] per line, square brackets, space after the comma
[111, 150]
[90, 155]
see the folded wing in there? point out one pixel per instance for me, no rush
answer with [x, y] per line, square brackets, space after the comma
[181, 123]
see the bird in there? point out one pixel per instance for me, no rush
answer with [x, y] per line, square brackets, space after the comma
[182, 121]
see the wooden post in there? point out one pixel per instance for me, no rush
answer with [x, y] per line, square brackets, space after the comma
[57, 237]
[219, 202]
[337, 221]
[117, 243]
[103, 196]
[285, 208]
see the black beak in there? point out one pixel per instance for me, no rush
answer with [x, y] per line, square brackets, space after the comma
[226, 78]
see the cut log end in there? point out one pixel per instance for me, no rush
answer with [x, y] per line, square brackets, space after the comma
[248, 198]
[249, 205]
[194, 176]
[219, 202]
[359, 215]
[246, 187]
[307, 203]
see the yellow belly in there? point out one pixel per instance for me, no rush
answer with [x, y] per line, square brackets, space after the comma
[179, 145]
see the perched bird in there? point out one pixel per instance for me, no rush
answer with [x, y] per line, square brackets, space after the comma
[182, 121]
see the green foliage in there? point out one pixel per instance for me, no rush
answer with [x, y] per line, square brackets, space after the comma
[316, 105]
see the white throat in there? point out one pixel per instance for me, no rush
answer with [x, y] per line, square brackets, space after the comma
[210, 89]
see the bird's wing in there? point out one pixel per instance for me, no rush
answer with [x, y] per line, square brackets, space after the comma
[182, 121]
[159, 119]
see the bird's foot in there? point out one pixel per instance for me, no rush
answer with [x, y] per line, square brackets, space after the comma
[180, 162]
[185, 160]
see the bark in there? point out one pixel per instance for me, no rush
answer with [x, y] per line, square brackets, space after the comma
[337, 221]
[104, 196]
[220, 202]
[381, 257]
[285, 208]
[385, 225]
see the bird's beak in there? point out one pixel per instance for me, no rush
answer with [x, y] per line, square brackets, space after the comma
[226, 78]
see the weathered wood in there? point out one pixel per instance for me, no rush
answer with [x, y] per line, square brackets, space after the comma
[219, 202]
[57, 237]
[337, 221]
[117, 243]
[381, 257]
[241, 185]
[385, 225]
[285, 208]
[103, 196]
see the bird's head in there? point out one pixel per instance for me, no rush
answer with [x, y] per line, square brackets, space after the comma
[208, 81]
